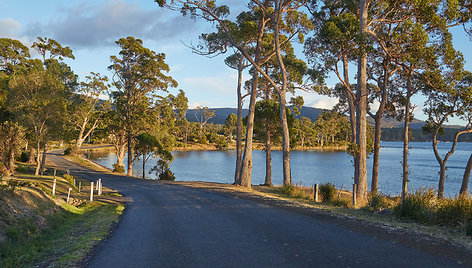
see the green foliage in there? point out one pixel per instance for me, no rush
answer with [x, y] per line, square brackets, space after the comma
[419, 206]
[454, 212]
[377, 202]
[287, 190]
[327, 192]
[69, 179]
[167, 175]
[13, 185]
[118, 168]
[23, 157]
[221, 143]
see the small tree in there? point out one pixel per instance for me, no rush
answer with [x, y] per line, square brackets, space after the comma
[147, 146]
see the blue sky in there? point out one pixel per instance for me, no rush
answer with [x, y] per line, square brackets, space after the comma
[90, 28]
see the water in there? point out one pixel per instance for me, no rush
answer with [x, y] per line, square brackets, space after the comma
[311, 167]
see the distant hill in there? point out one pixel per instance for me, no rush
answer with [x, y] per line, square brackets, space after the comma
[388, 123]
[222, 113]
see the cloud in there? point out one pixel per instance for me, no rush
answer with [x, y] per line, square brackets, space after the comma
[88, 25]
[325, 103]
[9, 27]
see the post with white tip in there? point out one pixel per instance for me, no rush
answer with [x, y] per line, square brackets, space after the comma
[68, 195]
[91, 191]
[54, 187]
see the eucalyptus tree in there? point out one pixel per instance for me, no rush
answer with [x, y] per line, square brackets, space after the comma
[11, 140]
[13, 56]
[285, 18]
[86, 109]
[138, 75]
[116, 134]
[447, 98]
[39, 93]
[147, 146]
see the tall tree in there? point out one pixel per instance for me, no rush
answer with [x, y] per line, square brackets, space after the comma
[137, 76]
[86, 109]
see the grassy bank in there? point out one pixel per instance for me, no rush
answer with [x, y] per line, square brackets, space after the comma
[39, 229]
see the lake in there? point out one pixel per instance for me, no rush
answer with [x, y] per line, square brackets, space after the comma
[309, 167]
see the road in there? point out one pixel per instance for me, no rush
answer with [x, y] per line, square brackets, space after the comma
[168, 225]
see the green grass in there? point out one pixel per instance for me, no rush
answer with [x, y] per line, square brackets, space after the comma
[70, 236]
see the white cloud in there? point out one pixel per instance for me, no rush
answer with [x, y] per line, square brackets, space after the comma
[325, 103]
[9, 28]
[91, 25]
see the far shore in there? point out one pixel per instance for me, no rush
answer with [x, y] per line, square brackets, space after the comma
[211, 147]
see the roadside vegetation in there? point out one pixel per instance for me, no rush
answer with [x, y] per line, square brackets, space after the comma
[41, 229]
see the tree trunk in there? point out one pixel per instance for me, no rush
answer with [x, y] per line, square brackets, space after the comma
[276, 18]
[465, 180]
[362, 110]
[406, 138]
[130, 156]
[285, 141]
[352, 114]
[268, 176]
[239, 121]
[442, 179]
[32, 153]
[378, 127]
[38, 157]
[43, 160]
[11, 160]
[375, 166]
[246, 167]
[144, 166]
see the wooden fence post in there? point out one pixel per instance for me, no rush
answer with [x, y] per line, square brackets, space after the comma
[54, 173]
[80, 184]
[354, 198]
[316, 193]
[91, 191]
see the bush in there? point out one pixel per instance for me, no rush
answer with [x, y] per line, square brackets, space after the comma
[377, 202]
[341, 202]
[287, 190]
[69, 178]
[23, 157]
[68, 151]
[420, 206]
[454, 211]
[118, 168]
[327, 192]
[167, 175]
[221, 143]
[12, 185]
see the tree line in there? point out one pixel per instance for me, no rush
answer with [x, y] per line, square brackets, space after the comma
[400, 49]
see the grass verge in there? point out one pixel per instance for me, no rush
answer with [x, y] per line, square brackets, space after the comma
[41, 230]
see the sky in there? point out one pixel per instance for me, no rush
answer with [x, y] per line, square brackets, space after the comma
[90, 29]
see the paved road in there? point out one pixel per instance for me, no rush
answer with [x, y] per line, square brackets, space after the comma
[174, 226]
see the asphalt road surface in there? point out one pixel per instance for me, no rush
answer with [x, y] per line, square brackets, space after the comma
[168, 225]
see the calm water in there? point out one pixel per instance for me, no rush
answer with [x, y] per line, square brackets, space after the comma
[311, 167]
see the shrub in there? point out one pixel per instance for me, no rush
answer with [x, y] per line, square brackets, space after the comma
[23, 157]
[377, 202]
[221, 143]
[287, 190]
[68, 151]
[327, 192]
[454, 211]
[341, 202]
[420, 206]
[12, 185]
[167, 175]
[69, 178]
[118, 168]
